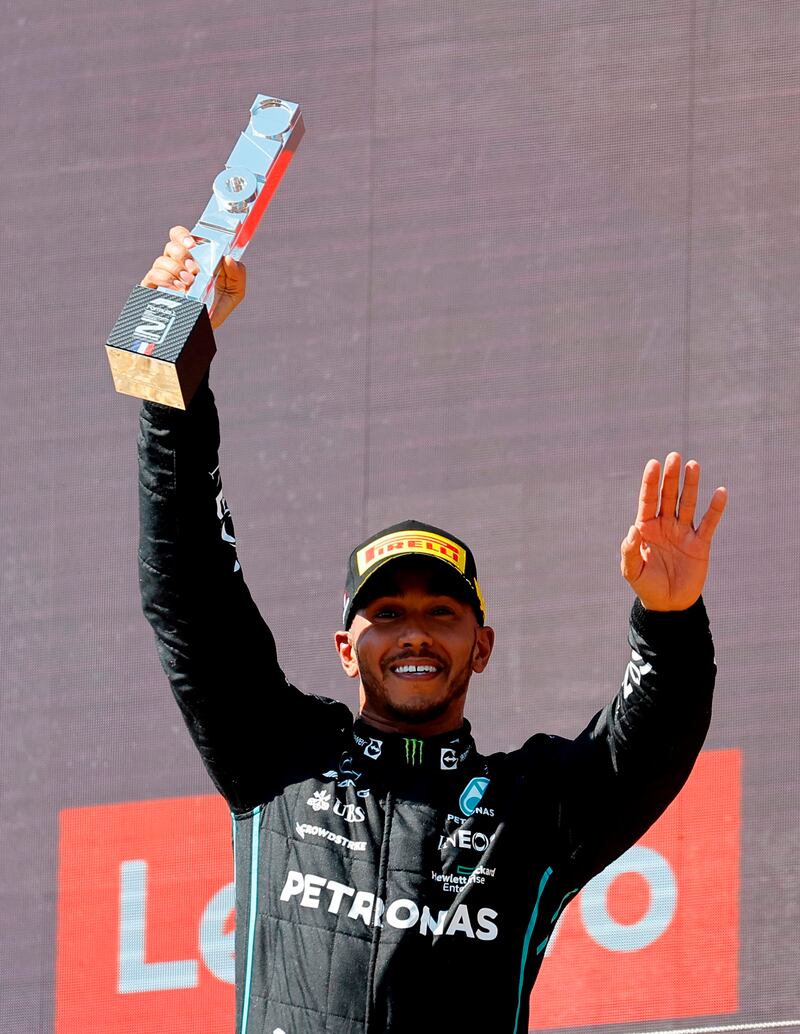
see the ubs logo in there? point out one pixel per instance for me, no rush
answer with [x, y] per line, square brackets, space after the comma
[321, 801]
[349, 812]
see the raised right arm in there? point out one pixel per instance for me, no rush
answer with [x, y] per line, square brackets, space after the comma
[215, 648]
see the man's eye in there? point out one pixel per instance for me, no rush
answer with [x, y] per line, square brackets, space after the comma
[386, 613]
[441, 610]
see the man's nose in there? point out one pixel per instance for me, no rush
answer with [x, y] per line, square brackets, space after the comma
[414, 632]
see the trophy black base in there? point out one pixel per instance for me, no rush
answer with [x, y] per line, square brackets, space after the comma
[161, 347]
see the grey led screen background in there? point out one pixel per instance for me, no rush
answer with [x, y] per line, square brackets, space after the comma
[525, 245]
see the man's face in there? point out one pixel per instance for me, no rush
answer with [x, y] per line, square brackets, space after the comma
[414, 648]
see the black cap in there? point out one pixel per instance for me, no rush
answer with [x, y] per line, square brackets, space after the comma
[407, 539]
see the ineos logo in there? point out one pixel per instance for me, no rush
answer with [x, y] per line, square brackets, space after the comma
[471, 840]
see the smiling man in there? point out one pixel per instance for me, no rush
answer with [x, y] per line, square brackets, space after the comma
[391, 879]
[414, 628]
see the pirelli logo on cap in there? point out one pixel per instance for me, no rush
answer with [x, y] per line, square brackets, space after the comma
[400, 542]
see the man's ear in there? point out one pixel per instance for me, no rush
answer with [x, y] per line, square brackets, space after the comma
[484, 644]
[347, 653]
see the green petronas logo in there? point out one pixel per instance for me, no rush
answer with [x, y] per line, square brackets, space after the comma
[413, 751]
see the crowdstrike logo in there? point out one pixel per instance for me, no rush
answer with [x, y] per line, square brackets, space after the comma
[413, 751]
[312, 891]
[304, 829]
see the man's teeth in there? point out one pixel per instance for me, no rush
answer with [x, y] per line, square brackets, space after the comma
[415, 669]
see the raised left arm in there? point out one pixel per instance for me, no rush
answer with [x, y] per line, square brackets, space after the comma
[637, 752]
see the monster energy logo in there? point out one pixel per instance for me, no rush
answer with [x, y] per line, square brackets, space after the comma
[413, 751]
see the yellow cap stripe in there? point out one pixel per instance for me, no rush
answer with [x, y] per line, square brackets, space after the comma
[402, 542]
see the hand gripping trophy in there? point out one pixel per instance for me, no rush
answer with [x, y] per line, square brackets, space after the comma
[162, 343]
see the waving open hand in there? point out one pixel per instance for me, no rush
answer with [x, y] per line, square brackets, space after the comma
[663, 556]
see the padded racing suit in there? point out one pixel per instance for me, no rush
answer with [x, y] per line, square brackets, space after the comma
[384, 884]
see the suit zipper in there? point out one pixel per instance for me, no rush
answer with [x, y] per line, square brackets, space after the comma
[383, 868]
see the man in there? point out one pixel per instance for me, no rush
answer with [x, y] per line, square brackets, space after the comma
[389, 877]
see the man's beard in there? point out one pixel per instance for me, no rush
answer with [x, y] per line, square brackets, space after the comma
[419, 710]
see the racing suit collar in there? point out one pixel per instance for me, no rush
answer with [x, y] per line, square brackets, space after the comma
[446, 752]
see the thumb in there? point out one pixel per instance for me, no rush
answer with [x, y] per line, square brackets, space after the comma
[229, 291]
[630, 550]
[234, 275]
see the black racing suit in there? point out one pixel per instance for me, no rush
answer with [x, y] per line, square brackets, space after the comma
[385, 884]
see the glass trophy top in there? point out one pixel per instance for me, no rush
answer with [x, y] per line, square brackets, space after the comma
[270, 117]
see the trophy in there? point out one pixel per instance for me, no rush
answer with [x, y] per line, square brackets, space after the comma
[162, 343]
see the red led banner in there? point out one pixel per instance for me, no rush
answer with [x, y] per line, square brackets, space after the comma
[145, 918]
[656, 938]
